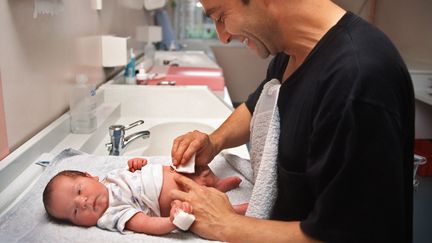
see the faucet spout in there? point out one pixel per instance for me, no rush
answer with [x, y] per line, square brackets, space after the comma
[129, 139]
[118, 140]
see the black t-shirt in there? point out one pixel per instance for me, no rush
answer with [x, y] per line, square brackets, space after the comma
[346, 141]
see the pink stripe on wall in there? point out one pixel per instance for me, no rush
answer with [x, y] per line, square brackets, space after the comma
[4, 149]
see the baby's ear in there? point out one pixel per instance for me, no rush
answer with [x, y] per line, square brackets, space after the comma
[93, 177]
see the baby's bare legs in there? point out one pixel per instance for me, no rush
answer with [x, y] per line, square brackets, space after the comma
[204, 176]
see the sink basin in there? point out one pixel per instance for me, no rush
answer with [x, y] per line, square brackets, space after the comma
[185, 59]
[159, 143]
[162, 137]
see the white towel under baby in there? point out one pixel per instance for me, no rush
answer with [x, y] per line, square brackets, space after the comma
[264, 140]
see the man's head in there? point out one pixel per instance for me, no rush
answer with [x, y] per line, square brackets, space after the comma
[76, 197]
[248, 21]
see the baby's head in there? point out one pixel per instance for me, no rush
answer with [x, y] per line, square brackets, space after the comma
[76, 197]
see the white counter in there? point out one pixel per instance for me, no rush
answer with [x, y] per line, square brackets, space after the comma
[118, 104]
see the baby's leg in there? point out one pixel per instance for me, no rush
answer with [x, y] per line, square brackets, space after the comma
[204, 176]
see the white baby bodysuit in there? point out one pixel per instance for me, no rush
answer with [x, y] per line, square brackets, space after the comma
[130, 193]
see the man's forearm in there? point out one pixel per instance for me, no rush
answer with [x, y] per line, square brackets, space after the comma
[245, 229]
[234, 131]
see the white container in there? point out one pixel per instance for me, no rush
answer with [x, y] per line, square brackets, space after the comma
[83, 106]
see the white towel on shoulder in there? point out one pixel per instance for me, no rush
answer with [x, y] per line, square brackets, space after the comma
[265, 129]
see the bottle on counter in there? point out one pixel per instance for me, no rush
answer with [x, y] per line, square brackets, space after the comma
[149, 53]
[83, 106]
[129, 75]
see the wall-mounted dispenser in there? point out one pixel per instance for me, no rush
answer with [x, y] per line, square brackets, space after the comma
[96, 4]
[104, 50]
[154, 4]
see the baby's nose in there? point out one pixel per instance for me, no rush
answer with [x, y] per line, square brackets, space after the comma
[83, 202]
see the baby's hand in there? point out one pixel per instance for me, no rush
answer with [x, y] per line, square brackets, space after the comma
[177, 205]
[136, 164]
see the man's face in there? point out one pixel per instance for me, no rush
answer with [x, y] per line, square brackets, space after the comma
[245, 23]
[81, 200]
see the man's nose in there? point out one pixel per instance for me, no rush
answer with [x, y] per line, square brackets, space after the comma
[223, 35]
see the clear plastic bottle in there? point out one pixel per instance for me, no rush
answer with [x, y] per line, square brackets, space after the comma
[149, 53]
[83, 106]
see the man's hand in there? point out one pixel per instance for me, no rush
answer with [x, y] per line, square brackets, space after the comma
[136, 164]
[211, 208]
[198, 143]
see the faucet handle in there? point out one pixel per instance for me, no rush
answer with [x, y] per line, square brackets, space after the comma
[109, 146]
[134, 124]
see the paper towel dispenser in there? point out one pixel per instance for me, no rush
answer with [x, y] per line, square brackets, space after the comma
[154, 4]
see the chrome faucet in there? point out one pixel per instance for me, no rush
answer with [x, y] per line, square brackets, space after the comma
[118, 140]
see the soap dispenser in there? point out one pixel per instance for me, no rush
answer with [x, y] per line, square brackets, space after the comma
[130, 69]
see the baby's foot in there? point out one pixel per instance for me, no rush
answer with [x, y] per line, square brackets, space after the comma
[241, 208]
[228, 183]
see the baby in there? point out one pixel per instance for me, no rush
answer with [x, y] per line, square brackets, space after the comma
[137, 199]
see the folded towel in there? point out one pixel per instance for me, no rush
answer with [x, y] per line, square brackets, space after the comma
[265, 129]
[27, 221]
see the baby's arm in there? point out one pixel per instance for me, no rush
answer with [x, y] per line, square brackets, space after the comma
[143, 223]
[136, 164]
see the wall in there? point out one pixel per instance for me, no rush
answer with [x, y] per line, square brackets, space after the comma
[243, 70]
[4, 148]
[37, 57]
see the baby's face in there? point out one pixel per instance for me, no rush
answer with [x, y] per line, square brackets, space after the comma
[82, 200]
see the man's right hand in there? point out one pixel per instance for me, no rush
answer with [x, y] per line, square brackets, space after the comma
[196, 142]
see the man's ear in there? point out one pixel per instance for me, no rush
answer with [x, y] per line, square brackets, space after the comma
[93, 177]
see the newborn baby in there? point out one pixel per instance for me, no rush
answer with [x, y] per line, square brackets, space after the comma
[135, 199]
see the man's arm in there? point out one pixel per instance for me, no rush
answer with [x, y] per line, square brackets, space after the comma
[233, 132]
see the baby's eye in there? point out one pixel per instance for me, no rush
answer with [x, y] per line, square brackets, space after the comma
[75, 211]
[79, 190]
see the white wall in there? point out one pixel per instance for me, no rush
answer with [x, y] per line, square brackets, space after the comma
[37, 57]
[243, 70]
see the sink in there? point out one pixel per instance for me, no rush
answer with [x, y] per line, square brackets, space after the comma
[185, 59]
[162, 137]
[159, 143]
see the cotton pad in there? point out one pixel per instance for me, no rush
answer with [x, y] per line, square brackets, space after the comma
[189, 167]
[183, 220]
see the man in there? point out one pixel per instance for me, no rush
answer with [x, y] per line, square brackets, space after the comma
[346, 128]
